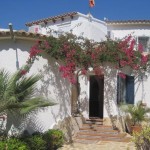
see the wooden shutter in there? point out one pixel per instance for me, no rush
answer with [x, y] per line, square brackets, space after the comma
[129, 89]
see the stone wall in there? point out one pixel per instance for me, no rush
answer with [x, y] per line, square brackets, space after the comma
[70, 126]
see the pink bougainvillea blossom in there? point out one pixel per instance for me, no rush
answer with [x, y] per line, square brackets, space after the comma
[84, 71]
[77, 56]
[140, 47]
[144, 59]
[23, 72]
[122, 75]
[33, 53]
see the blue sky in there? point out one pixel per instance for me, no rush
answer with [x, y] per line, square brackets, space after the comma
[19, 12]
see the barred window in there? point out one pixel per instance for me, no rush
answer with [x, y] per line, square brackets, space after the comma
[145, 41]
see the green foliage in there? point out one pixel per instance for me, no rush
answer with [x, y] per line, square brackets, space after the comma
[58, 48]
[54, 139]
[50, 140]
[17, 95]
[142, 139]
[13, 144]
[137, 112]
[36, 142]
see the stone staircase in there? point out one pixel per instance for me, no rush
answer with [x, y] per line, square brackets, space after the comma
[93, 131]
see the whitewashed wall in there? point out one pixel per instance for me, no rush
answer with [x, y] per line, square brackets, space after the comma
[51, 86]
[110, 92]
[121, 31]
[81, 25]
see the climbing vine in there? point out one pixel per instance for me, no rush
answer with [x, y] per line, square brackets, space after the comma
[79, 54]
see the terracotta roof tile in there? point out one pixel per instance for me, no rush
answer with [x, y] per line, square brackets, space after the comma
[128, 22]
[54, 18]
[23, 34]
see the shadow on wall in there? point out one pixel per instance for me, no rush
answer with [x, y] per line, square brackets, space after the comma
[83, 98]
[110, 93]
[17, 124]
[52, 85]
[19, 44]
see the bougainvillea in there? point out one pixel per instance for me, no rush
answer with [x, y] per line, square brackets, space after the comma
[33, 54]
[79, 54]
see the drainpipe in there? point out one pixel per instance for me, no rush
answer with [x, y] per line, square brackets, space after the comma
[13, 38]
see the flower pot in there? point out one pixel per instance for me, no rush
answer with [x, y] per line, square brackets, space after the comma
[136, 128]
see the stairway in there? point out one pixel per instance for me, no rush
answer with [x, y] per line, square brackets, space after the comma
[93, 131]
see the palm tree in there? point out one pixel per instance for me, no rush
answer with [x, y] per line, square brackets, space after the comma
[137, 112]
[17, 95]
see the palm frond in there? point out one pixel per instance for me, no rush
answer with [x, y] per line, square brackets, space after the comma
[25, 87]
[137, 112]
[4, 77]
[35, 103]
[18, 93]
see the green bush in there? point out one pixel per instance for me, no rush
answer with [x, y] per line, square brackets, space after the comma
[142, 139]
[54, 139]
[36, 142]
[13, 144]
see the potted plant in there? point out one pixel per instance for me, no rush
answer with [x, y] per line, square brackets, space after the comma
[137, 114]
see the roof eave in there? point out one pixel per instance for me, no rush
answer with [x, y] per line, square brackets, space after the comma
[53, 19]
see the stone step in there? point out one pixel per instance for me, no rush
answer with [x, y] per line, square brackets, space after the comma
[125, 139]
[91, 141]
[101, 132]
[85, 141]
[119, 139]
[94, 121]
[93, 130]
[106, 131]
[94, 126]
[83, 134]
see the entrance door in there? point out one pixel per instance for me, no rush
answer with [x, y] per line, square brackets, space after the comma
[96, 96]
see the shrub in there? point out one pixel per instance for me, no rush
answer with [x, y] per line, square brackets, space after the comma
[137, 112]
[13, 144]
[35, 142]
[142, 139]
[54, 139]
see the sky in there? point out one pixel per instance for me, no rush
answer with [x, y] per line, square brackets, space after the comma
[19, 12]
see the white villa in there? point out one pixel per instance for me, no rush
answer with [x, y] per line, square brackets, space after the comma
[98, 98]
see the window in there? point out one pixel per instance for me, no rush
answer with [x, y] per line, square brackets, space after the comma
[145, 41]
[125, 90]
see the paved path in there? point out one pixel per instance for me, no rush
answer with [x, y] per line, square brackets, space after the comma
[101, 145]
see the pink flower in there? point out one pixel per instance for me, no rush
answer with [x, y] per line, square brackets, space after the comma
[47, 45]
[93, 56]
[98, 71]
[122, 75]
[34, 51]
[135, 67]
[23, 72]
[123, 63]
[84, 71]
[140, 47]
[73, 80]
[144, 59]
[61, 68]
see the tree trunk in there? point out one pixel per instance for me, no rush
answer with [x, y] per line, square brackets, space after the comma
[74, 97]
